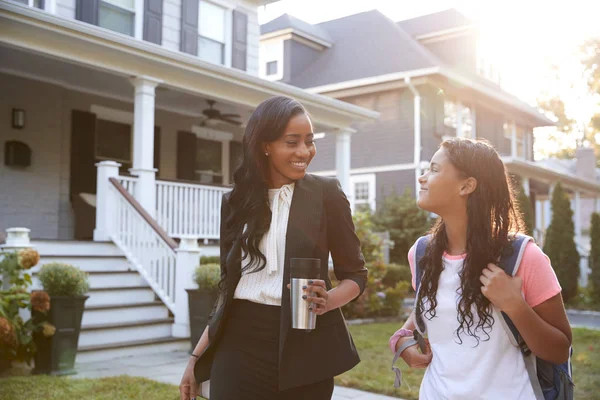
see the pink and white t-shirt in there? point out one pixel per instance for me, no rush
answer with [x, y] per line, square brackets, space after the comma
[490, 369]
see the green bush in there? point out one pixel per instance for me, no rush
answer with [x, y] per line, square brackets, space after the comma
[560, 245]
[404, 220]
[207, 276]
[59, 279]
[210, 260]
[378, 300]
[396, 273]
[370, 243]
[594, 260]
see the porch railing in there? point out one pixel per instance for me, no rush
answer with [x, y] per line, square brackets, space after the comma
[144, 243]
[128, 182]
[184, 209]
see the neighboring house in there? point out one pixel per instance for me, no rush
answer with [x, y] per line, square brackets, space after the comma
[164, 88]
[426, 78]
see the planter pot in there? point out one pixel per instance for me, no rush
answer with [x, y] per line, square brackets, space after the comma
[55, 355]
[200, 302]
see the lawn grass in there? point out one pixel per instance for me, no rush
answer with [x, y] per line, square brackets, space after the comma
[55, 388]
[373, 374]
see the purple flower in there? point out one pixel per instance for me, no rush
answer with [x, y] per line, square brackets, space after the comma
[381, 295]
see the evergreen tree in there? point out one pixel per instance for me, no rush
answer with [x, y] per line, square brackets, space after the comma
[560, 244]
[526, 211]
[594, 260]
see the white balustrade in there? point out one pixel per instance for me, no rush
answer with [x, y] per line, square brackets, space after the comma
[129, 183]
[152, 256]
[189, 210]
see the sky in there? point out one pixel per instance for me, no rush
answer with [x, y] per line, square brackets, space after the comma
[525, 39]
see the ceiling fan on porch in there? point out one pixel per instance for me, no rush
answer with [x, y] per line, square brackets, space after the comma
[214, 115]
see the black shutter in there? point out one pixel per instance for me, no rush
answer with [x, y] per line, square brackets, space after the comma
[83, 153]
[87, 11]
[157, 149]
[42, 4]
[153, 20]
[189, 26]
[186, 155]
[240, 40]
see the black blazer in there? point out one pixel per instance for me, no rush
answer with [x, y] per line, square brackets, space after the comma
[320, 222]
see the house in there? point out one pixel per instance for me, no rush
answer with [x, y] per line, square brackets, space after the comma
[426, 78]
[121, 123]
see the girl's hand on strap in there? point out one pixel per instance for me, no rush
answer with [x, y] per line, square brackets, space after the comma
[502, 290]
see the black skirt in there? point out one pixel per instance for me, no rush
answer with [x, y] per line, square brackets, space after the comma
[246, 362]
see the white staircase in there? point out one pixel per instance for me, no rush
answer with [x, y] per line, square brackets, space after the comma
[122, 317]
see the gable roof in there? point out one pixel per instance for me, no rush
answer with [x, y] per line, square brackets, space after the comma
[287, 21]
[370, 48]
[377, 47]
[436, 22]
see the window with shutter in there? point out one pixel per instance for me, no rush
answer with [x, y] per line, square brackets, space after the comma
[211, 30]
[117, 15]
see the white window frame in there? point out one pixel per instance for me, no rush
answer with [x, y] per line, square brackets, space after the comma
[371, 180]
[279, 44]
[227, 48]
[49, 5]
[138, 17]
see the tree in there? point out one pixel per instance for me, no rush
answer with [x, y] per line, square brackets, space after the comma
[404, 220]
[560, 244]
[526, 210]
[594, 260]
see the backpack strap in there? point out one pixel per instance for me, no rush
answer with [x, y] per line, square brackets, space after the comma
[420, 248]
[510, 263]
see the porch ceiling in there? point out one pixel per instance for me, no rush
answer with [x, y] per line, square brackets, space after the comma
[87, 55]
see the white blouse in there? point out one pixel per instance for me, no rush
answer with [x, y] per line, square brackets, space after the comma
[265, 286]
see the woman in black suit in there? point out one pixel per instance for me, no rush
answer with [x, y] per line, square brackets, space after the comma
[276, 212]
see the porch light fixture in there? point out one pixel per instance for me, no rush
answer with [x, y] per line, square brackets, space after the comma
[18, 118]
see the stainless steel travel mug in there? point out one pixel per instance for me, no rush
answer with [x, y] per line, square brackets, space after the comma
[302, 270]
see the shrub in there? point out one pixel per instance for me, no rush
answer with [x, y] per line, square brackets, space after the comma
[526, 211]
[63, 280]
[16, 343]
[210, 260]
[560, 245]
[396, 273]
[594, 260]
[207, 276]
[404, 220]
[377, 299]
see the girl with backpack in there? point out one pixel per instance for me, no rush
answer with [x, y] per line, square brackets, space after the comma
[464, 296]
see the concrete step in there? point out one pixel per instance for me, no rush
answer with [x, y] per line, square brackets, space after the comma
[164, 345]
[107, 334]
[120, 295]
[72, 248]
[90, 263]
[115, 314]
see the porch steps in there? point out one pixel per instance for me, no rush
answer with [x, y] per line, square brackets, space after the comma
[123, 317]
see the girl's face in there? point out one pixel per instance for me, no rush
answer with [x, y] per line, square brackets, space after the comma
[289, 156]
[443, 188]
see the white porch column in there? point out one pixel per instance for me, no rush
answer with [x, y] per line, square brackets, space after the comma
[474, 122]
[342, 160]
[188, 257]
[143, 142]
[105, 204]
[597, 205]
[513, 140]
[459, 120]
[548, 206]
[416, 132]
[225, 156]
[526, 185]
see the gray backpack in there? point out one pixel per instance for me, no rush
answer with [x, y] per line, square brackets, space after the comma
[549, 381]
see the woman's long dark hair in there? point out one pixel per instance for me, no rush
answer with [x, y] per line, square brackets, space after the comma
[249, 200]
[493, 217]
